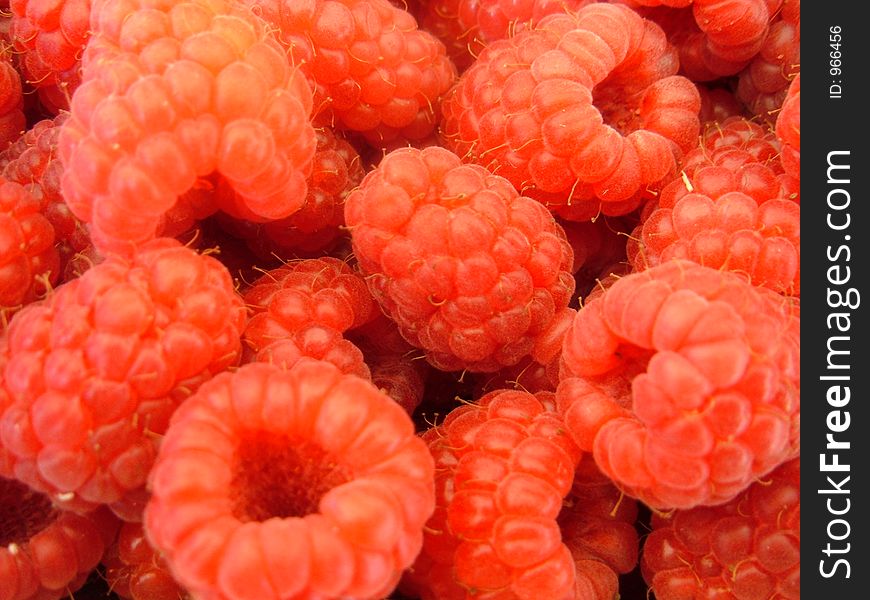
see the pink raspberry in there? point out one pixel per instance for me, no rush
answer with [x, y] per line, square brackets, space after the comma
[763, 85]
[788, 129]
[170, 94]
[747, 548]
[731, 210]
[311, 484]
[303, 309]
[47, 553]
[373, 70]
[12, 120]
[684, 382]
[49, 37]
[472, 272]
[583, 112]
[503, 467]
[94, 371]
[29, 262]
[134, 570]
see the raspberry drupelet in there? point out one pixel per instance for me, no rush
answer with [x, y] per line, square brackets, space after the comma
[583, 112]
[372, 69]
[172, 92]
[473, 273]
[684, 383]
[304, 308]
[310, 484]
[503, 467]
[747, 548]
[12, 120]
[788, 129]
[49, 37]
[47, 553]
[92, 373]
[134, 570]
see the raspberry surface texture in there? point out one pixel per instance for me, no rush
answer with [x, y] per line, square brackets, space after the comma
[583, 112]
[172, 92]
[134, 570]
[12, 119]
[92, 373]
[788, 129]
[747, 548]
[472, 272]
[47, 553]
[504, 466]
[372, 69]
[315, 486]
[684, 383]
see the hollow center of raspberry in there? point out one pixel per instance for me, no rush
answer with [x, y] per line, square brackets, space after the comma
[278, 476]
[23, 512]
[619, 110]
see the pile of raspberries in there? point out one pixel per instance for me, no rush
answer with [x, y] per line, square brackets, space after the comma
[408, 300]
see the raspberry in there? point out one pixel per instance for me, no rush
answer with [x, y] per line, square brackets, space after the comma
[311, 484]
[29, 262]
[788, 129]
[763, 85]
[172, 94]
[503, 467]
[717, 105]
[135, 571]
[46, 553]
[32, 161]
[685, 384]
[317, 226]
[472, 272]
[94, 371]
[373, 70]
[303, 309]
[597, 524]
[583, 112]
[731, 211]
[747, 548]
[50, 37]
[12, 121]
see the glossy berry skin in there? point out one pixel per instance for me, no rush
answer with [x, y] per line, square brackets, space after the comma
[314, 487]
[12, 120]
[171, 93]
[583, 112]
[134, 570]
[29, 262]
[748, 548]
[503, 466]
[49, 38]
[684, 383]
[304, 309]
[788, 129]
[47, 553]
[473, 273]
[92, 373]
[373, 71]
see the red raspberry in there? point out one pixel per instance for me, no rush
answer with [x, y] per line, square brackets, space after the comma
[311, 484]
[170, 95]
[318, 225]
[717, 105]
[46, 553]
[684, 381]
[788, 129]
[33, 162]
[50, 36]
[373, 70]
[583, 112]
[135, 571]
[12, 121]
[763, 85]
[303, 309]
[597, 523]
[730, 211]
[748, 548]
[503, 467]
[95, 370]
[29, 262]
[472, 272]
